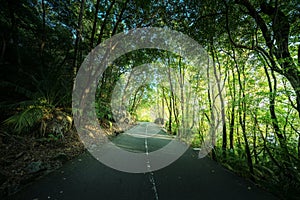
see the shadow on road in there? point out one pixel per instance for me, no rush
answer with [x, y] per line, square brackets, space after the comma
[186, 178]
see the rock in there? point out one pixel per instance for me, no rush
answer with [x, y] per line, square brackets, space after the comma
[126, 120]
[35, 167]
[117, 132]
[159, 121]
[58, 124]
[122, 116]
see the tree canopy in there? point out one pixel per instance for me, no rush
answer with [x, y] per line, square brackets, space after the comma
[254, 46]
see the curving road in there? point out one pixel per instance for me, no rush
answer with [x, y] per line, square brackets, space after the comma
[186, 178]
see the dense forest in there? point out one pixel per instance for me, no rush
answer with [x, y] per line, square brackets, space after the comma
[254, 51]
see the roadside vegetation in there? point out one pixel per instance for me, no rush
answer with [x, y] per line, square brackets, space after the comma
[253, 103]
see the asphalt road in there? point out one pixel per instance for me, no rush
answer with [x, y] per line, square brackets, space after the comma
[186, 178]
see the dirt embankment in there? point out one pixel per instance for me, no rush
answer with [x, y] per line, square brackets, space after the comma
[23, 159]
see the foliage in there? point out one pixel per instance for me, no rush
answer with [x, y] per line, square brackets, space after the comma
[254, 51]
[25, 120]
[39, 106]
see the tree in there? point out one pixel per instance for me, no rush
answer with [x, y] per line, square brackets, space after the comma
[275, 29]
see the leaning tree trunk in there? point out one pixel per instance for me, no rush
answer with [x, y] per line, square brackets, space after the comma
[278, 45]
[217, 75]
[242, 115]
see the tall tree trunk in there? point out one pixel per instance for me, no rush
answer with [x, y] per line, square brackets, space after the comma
[163, 110]
[223, 116]
[3, 49]
[78, 37]
[298, 147]
[172, 96]
[119, 18]
[255, 125]
[94, 24]
[182, 102]
[242, 116]
[232, 116]
[169, 106]
[278, 45]
[170, 115]
[266, 148]
[103, 25]
[195, 100]
[211, 120]
[43, 38]
[272, 107]
[275, 124]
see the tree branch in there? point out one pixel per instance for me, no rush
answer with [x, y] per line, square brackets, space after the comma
[259, 20]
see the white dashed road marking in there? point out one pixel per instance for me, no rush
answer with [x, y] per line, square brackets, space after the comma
[151, 174]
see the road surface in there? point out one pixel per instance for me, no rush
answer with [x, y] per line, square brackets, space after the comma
[187, 178]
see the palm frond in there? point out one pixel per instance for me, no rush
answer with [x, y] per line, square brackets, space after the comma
[25, 120]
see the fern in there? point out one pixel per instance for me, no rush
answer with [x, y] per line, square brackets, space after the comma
[25, 120]
[46, 92]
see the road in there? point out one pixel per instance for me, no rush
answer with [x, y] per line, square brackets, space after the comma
[186, 178]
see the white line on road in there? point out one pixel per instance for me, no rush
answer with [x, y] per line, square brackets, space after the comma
[151, 174]
[146, 145]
